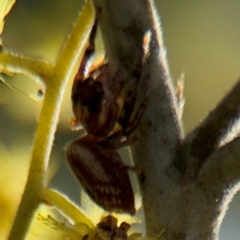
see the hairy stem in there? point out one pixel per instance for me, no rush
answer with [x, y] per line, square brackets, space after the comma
[219, 127]
[63, 204]
[10, 63]
[56, 85]
[124, 27]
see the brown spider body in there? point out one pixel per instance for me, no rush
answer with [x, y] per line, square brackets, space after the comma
[102, 174]
[94, 104]
[104, 106]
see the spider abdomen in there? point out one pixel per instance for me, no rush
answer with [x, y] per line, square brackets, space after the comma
[102, 174]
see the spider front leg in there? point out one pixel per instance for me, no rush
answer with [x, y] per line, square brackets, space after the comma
[131, 113]
[130, 118]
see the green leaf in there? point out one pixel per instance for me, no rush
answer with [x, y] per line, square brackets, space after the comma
[5, 7]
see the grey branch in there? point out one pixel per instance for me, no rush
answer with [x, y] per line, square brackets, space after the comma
[218, 128]
[187, 182]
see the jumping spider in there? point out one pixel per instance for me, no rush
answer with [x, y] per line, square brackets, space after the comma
[107, 109]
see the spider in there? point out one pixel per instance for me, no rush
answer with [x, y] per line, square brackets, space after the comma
[106, 107]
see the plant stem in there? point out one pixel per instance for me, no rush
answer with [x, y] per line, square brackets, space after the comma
[56, 85]
[64, 205]
[34, 68]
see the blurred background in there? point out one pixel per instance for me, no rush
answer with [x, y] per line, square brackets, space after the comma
[202, 40]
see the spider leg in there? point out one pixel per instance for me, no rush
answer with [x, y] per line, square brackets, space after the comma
[127, 136]
[130, 118]
[131, 96]
[130, 100]
[89, 52]
[128, 121]
[80, 84]
[97, 67]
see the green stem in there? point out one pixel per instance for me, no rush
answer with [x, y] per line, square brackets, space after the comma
[63, 204]
[36, 69]
[56, 85]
